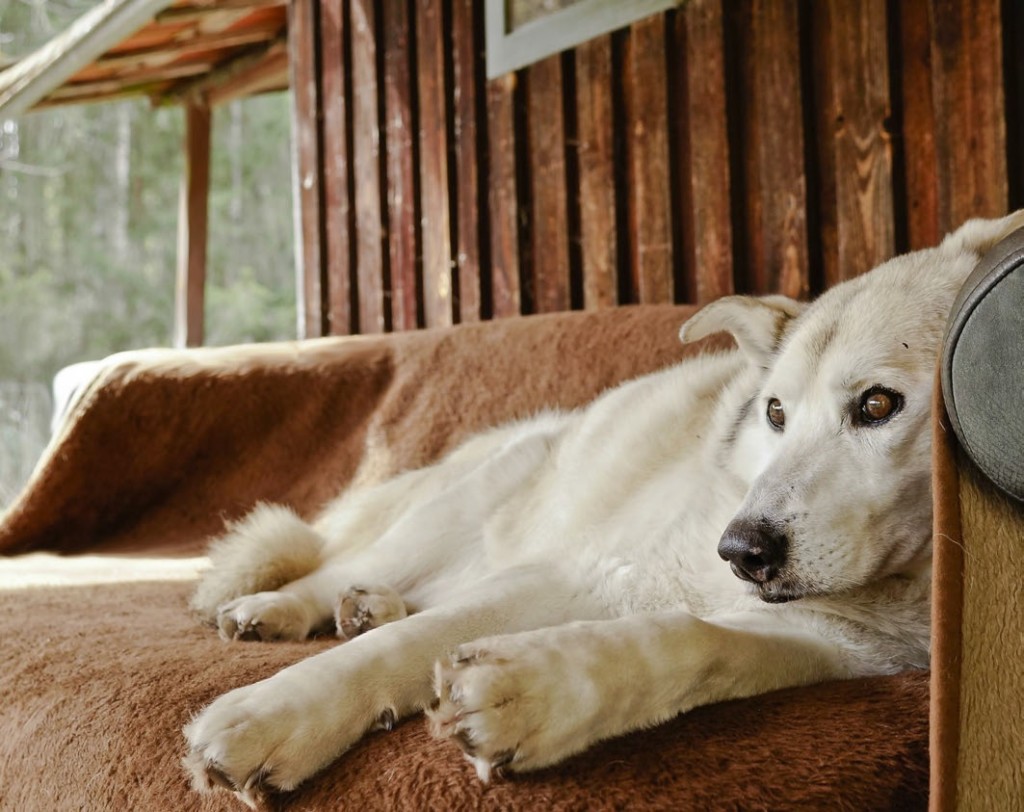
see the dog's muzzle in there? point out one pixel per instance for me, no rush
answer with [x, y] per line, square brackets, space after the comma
[754, 549]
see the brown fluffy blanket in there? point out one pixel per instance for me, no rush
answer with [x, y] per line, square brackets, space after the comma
[103, 665]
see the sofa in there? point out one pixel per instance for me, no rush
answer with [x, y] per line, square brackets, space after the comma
[103, 663]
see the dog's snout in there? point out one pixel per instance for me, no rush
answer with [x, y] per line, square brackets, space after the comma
[755, 550]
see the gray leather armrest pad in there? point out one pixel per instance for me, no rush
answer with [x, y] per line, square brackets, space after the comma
[983, 365]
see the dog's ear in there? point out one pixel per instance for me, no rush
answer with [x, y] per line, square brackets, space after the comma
[979, 235]
[757, 323]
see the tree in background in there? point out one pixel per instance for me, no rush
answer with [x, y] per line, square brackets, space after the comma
[88, 232]
[88, 236]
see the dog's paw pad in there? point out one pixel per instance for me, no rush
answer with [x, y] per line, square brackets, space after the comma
[207, 775]
[363, 608]
[475, 705]
[264, 616]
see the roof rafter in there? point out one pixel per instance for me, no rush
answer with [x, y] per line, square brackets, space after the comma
[33, 78]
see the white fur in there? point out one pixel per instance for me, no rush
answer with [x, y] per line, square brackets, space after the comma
[559, 577]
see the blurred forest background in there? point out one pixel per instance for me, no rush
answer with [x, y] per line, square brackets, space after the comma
[88, 234]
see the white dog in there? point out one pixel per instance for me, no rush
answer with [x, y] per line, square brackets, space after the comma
[559, 581]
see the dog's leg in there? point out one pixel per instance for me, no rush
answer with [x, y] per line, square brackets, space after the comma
[276, 733]
[430, 524]
[529, 700]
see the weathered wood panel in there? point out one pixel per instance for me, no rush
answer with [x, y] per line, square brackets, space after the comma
[502, 197]
[193, 225]
[595, 127]
[338, 214]
[399, 137]
[650, 203]
[954, 119]
[758, 146]
[435, 215]
[307, 104]
[776, 192]
[549, 223]
[970, 125]
[366, 165]
[704, 171]
[467, 72]
[855, 151]
[1013, 34]
[918, 126]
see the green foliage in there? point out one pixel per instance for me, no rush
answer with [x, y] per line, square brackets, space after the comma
[88, 232]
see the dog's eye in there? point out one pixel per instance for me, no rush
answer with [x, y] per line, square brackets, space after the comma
[776, 414]
[878, 404]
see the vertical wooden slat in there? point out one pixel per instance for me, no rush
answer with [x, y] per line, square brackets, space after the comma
[193, 222]
[857, 225]
[434, 203]
[968, 82]
[596, 150]
[466, 55]
[501, 196]
[1013, 35]
[954, 114]
[705, 199]
[366, 169]
[920, 158]
[649, 171]
[548, 214]
[304, 46]
[776, 205]
[337, 207]
[401, 191]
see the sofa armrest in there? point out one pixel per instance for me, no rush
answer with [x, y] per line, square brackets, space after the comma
[977, 689]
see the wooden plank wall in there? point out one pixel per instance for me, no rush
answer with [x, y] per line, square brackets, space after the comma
[728, 146]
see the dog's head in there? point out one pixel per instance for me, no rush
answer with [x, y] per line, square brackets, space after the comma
[837, 443]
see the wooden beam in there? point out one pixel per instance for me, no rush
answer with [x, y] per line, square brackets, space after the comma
[269, 73]
[192, 229]
[144, 82]
[228, 79]
[35, 76]
[201, 11]
[187, 43]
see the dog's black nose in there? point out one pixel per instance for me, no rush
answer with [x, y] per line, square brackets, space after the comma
[754, 550]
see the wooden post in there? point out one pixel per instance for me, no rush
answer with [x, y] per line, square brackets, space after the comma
[192, 228]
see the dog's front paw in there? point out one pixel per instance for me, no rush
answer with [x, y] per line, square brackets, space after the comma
[254, 741]
[265, 616]
[504, 703]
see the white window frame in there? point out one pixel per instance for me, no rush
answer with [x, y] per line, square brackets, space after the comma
[509, 50]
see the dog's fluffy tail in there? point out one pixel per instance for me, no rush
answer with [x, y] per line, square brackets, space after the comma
[262, 552]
